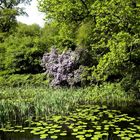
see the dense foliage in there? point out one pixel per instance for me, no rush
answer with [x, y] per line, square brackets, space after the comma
[26, 102]
[90, 48]
[108, 31]
[9, 9]
[22, 50]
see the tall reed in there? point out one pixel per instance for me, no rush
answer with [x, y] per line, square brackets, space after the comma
[28, 101]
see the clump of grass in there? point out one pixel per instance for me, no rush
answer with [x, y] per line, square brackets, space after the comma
[30, 101]
[110, 94]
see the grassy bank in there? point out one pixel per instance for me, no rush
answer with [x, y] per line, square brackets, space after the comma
[20, 103]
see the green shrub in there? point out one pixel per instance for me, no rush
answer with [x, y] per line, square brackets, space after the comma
[17, 80]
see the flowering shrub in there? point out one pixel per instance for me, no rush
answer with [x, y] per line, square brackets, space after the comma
[64, 69]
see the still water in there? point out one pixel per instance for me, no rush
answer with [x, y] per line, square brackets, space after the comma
[85, 123]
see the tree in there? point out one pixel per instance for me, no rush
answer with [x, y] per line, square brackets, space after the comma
[108, 29]
[50, 34]
[65, 10]
[8, 11]
[23, 50]
[68, 14]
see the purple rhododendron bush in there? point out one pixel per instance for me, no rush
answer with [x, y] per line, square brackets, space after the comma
[64, 69]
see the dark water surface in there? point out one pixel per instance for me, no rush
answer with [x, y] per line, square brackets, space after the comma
[86, 123]
[17, 136]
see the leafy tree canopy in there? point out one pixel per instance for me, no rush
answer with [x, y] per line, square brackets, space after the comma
[8, 11]
[22, 50]
[68, 14]
[65, 10]
[108, 29]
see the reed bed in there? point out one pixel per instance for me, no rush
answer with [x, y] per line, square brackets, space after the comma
[24, 102]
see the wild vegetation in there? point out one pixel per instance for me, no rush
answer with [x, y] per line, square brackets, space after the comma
[33, 101]
[86, 122]
[95, 60]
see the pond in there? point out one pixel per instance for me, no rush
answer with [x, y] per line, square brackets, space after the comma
[85, 123]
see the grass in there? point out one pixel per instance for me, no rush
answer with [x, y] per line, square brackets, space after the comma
[20, 103]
